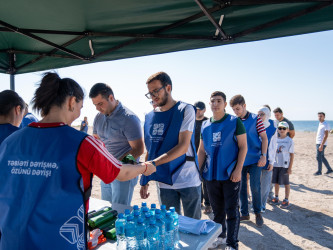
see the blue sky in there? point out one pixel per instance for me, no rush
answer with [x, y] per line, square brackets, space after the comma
[294, 73]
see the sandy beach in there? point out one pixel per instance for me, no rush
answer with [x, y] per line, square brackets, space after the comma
[307, 224]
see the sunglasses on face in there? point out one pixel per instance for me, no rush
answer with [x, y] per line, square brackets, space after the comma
[282, 128]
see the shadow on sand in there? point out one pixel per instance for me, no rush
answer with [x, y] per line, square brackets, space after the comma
[302, 188]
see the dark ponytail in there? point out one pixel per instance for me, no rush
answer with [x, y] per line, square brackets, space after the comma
[8, 100]
[53, 91]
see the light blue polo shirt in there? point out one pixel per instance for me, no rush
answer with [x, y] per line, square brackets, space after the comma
[117, 129]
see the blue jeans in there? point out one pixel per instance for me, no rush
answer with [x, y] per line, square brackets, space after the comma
[255, 174]
[190, 197]
[321, 159]
[120, 192]
[266, 182]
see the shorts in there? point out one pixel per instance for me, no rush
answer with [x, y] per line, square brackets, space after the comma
[280, 176]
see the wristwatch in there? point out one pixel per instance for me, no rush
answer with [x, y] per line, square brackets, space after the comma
[263, 154]
[153, 162]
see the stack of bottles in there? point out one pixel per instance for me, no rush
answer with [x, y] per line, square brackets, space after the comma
[104, 219]
[145, 228]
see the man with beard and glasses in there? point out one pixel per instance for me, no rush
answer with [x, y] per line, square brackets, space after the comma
[169, 140]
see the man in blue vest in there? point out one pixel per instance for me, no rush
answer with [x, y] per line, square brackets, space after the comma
[120, 130]
[169, 139]
[223, 140]
[256, 158]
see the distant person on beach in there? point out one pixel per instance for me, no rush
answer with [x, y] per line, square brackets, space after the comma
[321, 144]
[120, 130]
[279, 117]
[84, 125]
[169, 140]
[46, 172]
[256, 158]
[223, 140]
[266, 174]
[28, 117]
[12, 109]
[199, 119]
[283, 164]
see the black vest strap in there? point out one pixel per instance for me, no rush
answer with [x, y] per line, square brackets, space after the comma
[190, 158]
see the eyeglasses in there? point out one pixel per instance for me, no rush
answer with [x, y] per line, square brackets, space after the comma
[150, 95]
[282, 128]
[262, 114]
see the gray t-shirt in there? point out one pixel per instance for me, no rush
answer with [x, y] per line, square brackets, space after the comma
[117, 129]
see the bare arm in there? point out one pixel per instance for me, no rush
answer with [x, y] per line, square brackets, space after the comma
[291, 133]
[264, 145]
[325, 138]
[242, 146]
[137, 148]
[201, 154]
[291, 163]
[128, 171]
[96, 136]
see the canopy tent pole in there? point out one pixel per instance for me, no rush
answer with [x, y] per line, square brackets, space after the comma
[12, 82]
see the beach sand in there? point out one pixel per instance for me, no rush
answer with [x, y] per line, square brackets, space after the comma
[307, 224]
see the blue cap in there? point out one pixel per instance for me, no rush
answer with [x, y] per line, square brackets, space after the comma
[127, 211]
[153, 205]
[172, 209]
[163, 207]
[136, 213]
[168, 214]
[148, 215]
[135, 207]
[157, 211]
[130, 217]
[159, 216]
[121, 216]
[143, 204]
[140, 221]
[152, 222]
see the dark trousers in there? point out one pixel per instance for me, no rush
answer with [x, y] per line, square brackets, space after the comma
[224, 199]
[322, 159]
[204, 193]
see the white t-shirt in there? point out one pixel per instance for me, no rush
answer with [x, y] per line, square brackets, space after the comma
[323, 126]
[189, 175]
[285, 146]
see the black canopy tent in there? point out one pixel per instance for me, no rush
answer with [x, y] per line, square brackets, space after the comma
[39, 35]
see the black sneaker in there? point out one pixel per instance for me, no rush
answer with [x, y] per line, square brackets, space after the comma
[259, 220]
[317, 173]
[329, 171]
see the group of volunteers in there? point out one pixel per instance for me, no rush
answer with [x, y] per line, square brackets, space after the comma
[46, 168]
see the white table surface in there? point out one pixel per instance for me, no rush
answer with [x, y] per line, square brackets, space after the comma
[187, 241]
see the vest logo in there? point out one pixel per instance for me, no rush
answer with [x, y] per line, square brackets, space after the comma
[158, 129]
[217, 137]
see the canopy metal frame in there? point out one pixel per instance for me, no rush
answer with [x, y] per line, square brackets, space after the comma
[223, 37]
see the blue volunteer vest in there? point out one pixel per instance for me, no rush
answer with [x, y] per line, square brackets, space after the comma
[221, 148]
[270, 131]
[41, 191]
[253, 141]
[161, 131]
[6, 130]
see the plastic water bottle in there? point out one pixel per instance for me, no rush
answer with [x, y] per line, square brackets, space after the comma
[135, 208]
[169, 232]
[176, 225]
[136, 216]
[161, 229]
[144, 210]
[130, 232]
[120, 232]
[143, 204]
[153, 235]
[163, 210]
[127, 213]
[148, 218]
[141, 235]
[152, 209]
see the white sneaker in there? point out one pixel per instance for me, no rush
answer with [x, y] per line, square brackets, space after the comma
[229, 248]
[219, 241]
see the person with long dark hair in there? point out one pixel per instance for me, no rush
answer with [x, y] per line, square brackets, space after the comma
[46, 171]
[12, 109]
